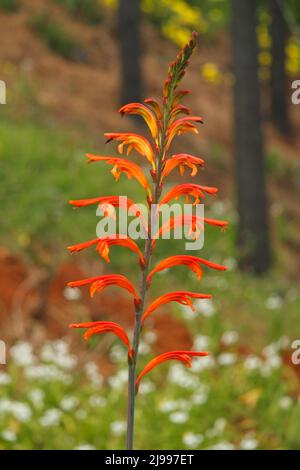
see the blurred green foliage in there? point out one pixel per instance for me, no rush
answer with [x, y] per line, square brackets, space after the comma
[55, 36]
[86, 10]
[9, 5]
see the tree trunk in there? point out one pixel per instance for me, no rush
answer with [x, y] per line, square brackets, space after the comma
[253, 237]
[129, 44]
[279, 105]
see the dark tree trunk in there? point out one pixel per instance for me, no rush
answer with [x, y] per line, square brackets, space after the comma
[279, 105]
[130, 50]
[253, 238]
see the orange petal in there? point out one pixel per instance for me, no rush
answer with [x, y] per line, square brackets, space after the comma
[124, 166]
[195, 190]
[183, 356]
[99, 327]
[99, 283]
[146, 113]
[192, 262]
[136, 141]
[182, 297]
[181, 160]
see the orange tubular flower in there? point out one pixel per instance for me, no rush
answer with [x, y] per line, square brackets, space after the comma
[134, 141]
[103, 246]
[183, 356]
[155, 106]
[115, 201]
[195, 190]
[182, 297]
[181, 160]
[181, 126]
[98, 327]
[195, 222]
[146, 113]
[100, 283]
[192, 262]
[120, 166]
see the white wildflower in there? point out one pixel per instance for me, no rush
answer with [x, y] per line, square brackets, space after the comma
[9, 436]
[4, 378]
[146, 387]
[118, 427]
[253, 362]
[227, 359]
[274, 302]
[51, 418]
[96, 401]
[201, 342]
[92, 372]
[21, 411]
[223, 446]
[248, 443]
[22, 353]
[69, 403]
[229, 337]
[72, 293]
[178, 417]
[36, 396]
[285, 402]
[85, 447]
[205, 307]
[119, 379]
[192, 440]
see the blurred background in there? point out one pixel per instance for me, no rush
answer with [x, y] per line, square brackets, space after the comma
[68, 65]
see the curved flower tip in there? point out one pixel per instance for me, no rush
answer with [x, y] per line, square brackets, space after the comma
[154, 103]
[134, 141]
[105, 201]
[181, 126]
[192, 262]
[142, 110]
[104, 244]
[182, 356]
[194, 222]
[124, 166]
[99, 327]
[182, 160]
[195, 190]
[99, 283]
[182, 297]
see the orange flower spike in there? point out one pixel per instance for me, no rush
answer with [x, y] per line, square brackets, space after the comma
[145, 112]
[99, 283]
[195, 190]
[136, 141]
[183, 356]
[99, 327]
[124, 166]
[181, 160]
[155, 106]
[182, 297]
[192, 262]
[121, 240]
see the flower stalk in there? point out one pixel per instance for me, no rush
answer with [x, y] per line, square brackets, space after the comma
[164, 125]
